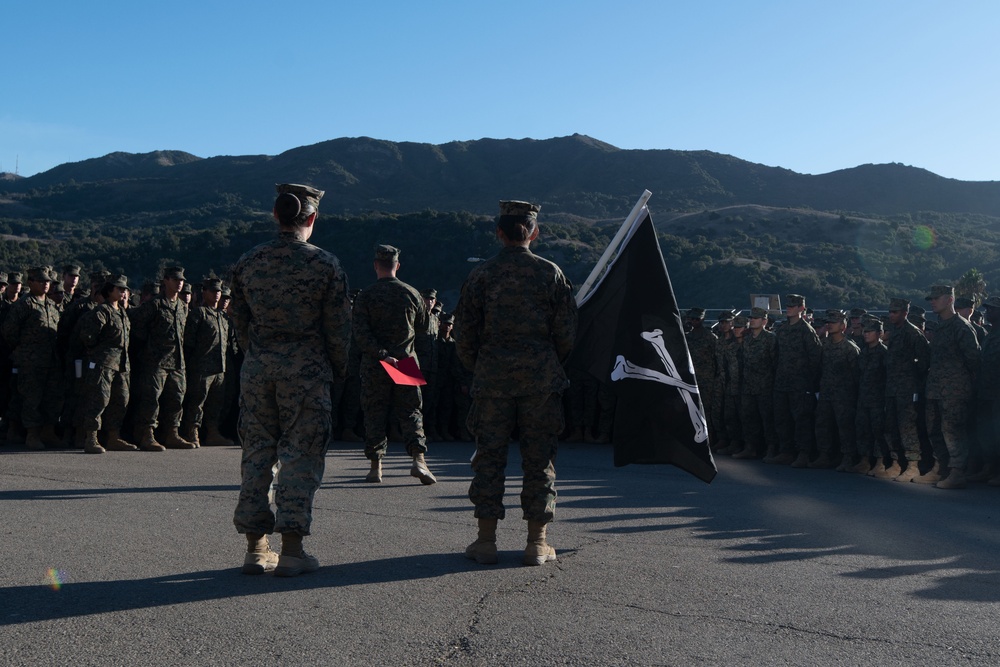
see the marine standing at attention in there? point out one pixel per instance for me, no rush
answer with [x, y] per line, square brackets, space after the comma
[515, 325]
[390, 323]
[293, 319]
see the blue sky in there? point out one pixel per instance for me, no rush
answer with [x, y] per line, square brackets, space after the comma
[810, 86]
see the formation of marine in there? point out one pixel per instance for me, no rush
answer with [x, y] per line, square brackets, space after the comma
[901, 397]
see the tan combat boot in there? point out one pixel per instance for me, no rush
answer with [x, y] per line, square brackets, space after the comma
[294, 560]
[259, 558]
[801, 461]
[985, 474]
[90, 444]
[932, 476]
[892, 472]
[49, 436]
[33, 440]
[189, 432]
[911, 472]
[484, 549]
[15, 433]
[956, 479]
[375, 474]
[173, 440]
[846, 463]
[420, 471]
[214, 437]
[117, 444]
[863, 466]
[148, 442]
[538, 550]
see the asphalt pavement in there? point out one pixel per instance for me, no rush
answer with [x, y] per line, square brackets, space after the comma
[132, 559]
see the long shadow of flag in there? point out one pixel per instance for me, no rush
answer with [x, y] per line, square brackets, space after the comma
[630, 336]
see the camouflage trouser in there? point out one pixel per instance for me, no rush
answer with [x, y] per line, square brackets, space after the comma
[103, 399]
[287, 422]
[39, 393]
[757, 420]
[836, 419]
[988, 428]
[581, 400]
[731, 418]
[901, 427]
[429, 396]
[203, 400]
[870, 428]
[539, 419]
[350, 403]
[948, 428]
[154, 383]
[794, 420]
[382, 400]
[718, 417]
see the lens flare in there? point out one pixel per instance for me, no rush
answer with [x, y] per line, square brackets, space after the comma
[56, 578]
[924, 237]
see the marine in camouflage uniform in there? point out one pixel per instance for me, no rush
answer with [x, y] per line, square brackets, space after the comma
[448, 364]
[723, 439]
[988, 396]
[870, 423]
[206, 346]
[29, 329]
[158, 327]
[730, 386]
[390, 323]
[296, 344]
[430, 392]
[515, 326]
[836, 408]
[951, 378]
[760, 358]
[702, 344]
[796, 382]
[104, 334]
[13, 431]
[71, 351]
[906, 361]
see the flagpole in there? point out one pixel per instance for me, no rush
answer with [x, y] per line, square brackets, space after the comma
[615, 242]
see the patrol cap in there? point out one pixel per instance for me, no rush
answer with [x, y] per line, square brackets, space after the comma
[834, 315]
[899, 304]
[726, 315]
[386, 253]
[448, 318]
[964, 302]
[226, 292]
[3, 279]
[429, 293]
[39, 273]
[858, 312]
[71, 270]
[304, 193]
[992, 302]
[940, 290]
[186, 289]
[872, 324]
[57, 288]
[739, 322]
[98, 277]
[212, 284]
[173, 272]
[795, 300]
[696, 314]
[118, 280]
[758, 312]
[917, 317]
[14, 278]
[521, 210]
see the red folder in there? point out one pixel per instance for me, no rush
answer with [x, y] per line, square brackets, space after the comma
[405, 371]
